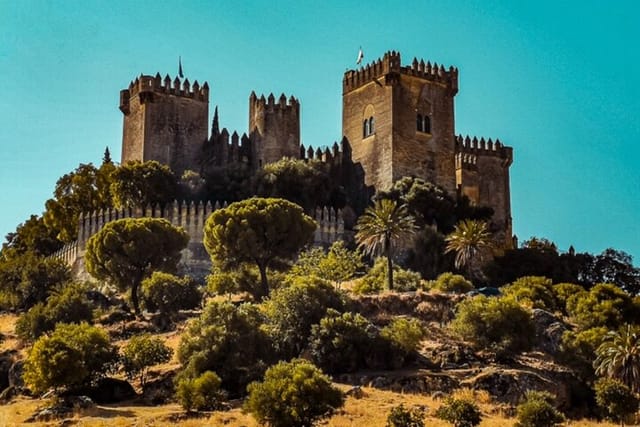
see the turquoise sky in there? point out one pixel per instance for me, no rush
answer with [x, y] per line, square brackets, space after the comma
[557, 80]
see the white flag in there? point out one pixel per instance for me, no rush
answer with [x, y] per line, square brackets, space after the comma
[360, 56]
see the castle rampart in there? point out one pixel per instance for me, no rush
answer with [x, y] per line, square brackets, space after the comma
[191, 217]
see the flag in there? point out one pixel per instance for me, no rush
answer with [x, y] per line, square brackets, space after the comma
[180, 67]
[360, 56]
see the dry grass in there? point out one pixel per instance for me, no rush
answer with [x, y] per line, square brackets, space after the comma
[369, 411]
[7, 329]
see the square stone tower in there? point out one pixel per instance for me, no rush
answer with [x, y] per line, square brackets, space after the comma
[399, 121]
[165, 121]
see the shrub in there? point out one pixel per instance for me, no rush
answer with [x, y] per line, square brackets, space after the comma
[242, 279]
[71, 356]
[292, 310]
[376, 278]
[604, 305]
[449, 282]
[405, 333]
[537, 410]
[293, 394]
[399, 416]
[68, 304]
[497, 323]
[337, 265]
[615, 399]
[579, 349]
[141, 352]
[201, 394]
[562, 293]
[459, 412]
[228, 340]
[340, 343]
[168, 294]
[532, 291]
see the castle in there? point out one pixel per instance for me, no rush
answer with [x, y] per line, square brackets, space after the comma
[396, 121]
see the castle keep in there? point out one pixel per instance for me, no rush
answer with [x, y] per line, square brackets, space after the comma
[397, 120]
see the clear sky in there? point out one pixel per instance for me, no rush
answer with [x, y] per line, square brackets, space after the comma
[557, 80]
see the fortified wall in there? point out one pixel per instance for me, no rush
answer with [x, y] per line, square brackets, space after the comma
[191, 217]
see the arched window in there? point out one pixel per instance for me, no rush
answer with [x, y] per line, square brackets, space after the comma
[365, 128]
[372, 128]
[423, 123]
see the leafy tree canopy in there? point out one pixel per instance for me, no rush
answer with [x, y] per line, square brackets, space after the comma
[31, 236]
[143, 183]
[128, 250]
[259, 231]
[337, 264]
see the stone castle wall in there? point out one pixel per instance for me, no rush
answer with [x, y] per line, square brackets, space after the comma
[191, 217]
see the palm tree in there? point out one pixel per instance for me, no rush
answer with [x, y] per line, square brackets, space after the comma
[468, 239]
[619, 356]
[381, 227]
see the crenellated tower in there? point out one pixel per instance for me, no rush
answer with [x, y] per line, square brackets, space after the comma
[399, 120]
[164, 120]
[482, 174]
[274, 128]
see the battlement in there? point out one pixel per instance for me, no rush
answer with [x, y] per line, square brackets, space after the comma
[391, 63]
[224, 148]
[269, 103]
[468, 149]
[332, 156]
[145, 86]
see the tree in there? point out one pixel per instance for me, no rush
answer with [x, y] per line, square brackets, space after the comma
[71, 356]
[84, 190]
[293, 394]
[616, 267]
[616, 399]
[304, 183]
[142, 352]
[31, 236]
[127, 250]
[259, 231]
[383, 226]
[26, 279]
[618, 356]
[468, 239]
[143, 183]
[604, 305]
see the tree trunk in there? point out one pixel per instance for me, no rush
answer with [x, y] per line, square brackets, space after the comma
[389, 270]
[263, 280]
[134, 299]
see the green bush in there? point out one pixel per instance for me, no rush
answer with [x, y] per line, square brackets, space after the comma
[449, 282]
[604, 305]
[341, 342]
[228, 340]
[337, 265]
[293, 394]
[141, 352]
[292, 310]
[169, 294]
[496, 323]
[376, 279]
[71, 356]
[405, 333]
[532, 291]
[537, 410]
[68, 304]
[459, 412]
[615, 399]
[564, 291]
[399, 416]
[202, 393]
[578, 349]
[242, 279]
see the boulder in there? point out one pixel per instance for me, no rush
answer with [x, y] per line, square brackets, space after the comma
[549, 331]
[6, 360]
[15, 374]
[161, 389]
